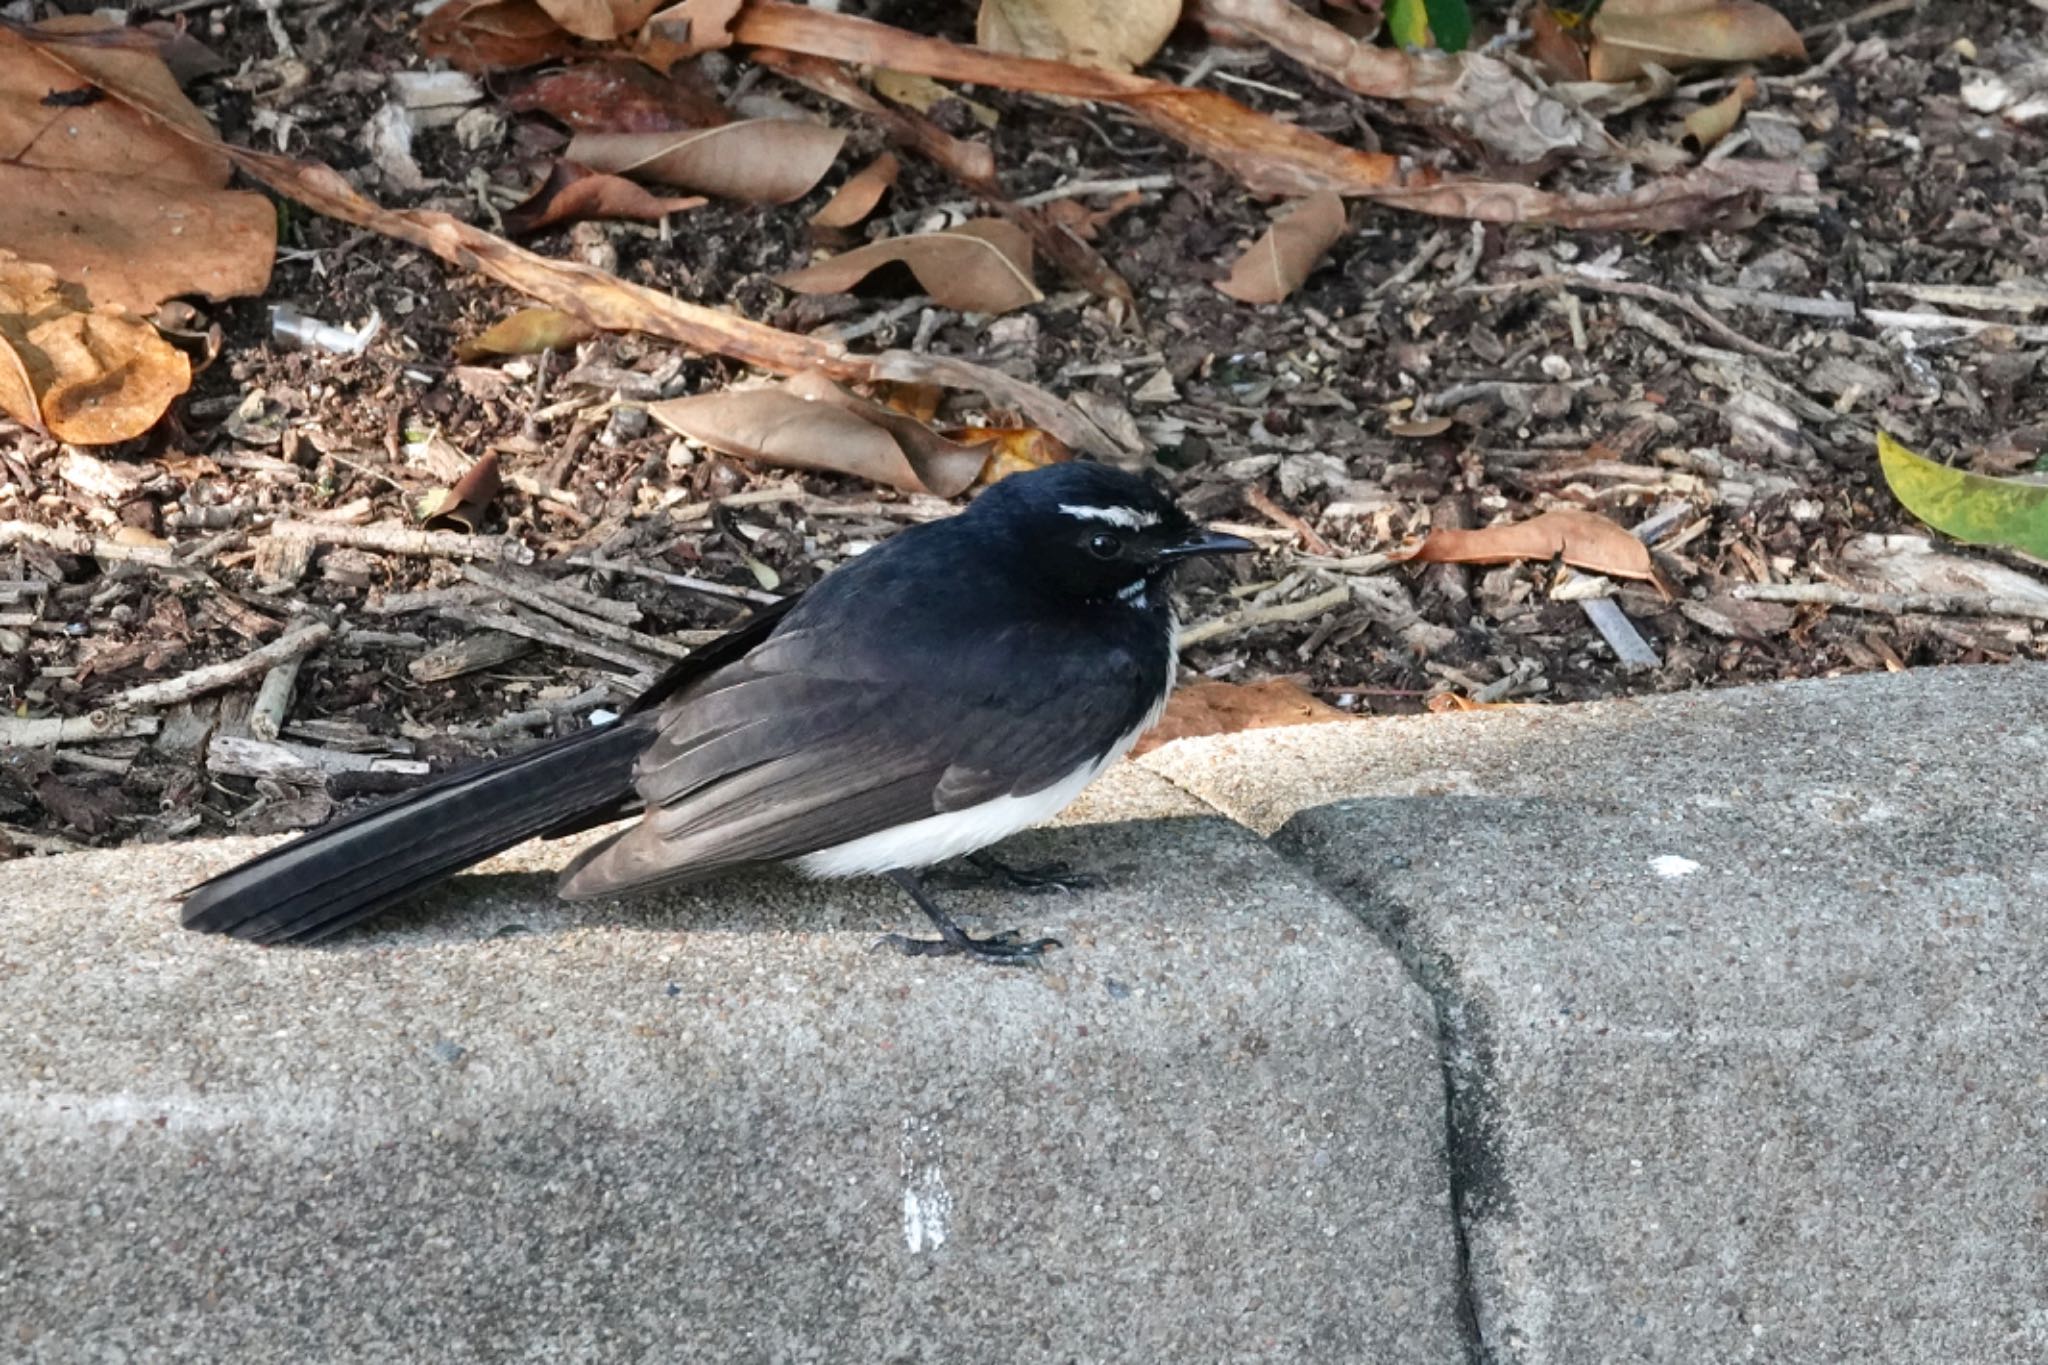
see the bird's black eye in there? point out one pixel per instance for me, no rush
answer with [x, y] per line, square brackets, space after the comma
[1103, 545]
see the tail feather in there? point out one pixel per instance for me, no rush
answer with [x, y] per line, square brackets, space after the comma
[347, 872]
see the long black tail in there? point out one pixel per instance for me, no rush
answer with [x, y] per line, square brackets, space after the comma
[347, 872]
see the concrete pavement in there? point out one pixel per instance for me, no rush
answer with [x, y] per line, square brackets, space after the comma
[1717, 1020]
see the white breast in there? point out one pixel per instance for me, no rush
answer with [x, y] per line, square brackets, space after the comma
[958, 832]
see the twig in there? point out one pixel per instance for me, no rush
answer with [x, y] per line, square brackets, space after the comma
[1834, 310]
[1999, 300]
[1358, 564]
[1263, 503]
[874, 322]
[200, 681]
[71, 542]
[404, 540]
[1631, 650]
[1635, 289]
[1280, 613]
[569, 616]
[273, 698]
[1883, 9]
[687, 582]
[304, 764]
[17, 733]
[1893, 603]
[1075, 189]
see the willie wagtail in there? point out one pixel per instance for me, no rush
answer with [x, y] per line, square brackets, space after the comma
[964, 679]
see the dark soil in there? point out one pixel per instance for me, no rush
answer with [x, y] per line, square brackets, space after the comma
[1761, 469]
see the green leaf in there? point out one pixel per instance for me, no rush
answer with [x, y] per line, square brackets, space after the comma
[1451, 22]
[1408, 22]
[1973, 508]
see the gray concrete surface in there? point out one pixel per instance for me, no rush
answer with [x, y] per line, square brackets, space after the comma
[1743, 999]
[712, 1126]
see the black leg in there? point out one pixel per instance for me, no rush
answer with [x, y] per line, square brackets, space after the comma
[1006, 948]
[1048, 879]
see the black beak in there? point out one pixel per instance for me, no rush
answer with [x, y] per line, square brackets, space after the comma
[1206, 543]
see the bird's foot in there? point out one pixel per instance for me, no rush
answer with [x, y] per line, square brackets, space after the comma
[1007, 949]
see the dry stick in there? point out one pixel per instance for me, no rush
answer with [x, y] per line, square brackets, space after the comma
[67, 541]
[200, 681]
[687, 582]
[404, 540]
[273, 698]
[1264, 505]
[569, 616]
[16, 733]
[1893, 603]
[1633, 289]
[1280, 613]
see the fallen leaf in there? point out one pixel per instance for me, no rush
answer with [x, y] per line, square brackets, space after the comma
[1281, 260]
[1011, 450]
[1076, 218]
[527, 332]
[600, 20]
[1116, 36]
[1709, 124]
[1973, 508]
[572, 193]
[685, 30]
[1584, 540]
[87, 376]
[982, 266]
[110, 198]
[856, 199]
[808, 422]
[1422, 429]
[1556, 53]
[615, 96]
[463, 507]
[922, 93]
[607, 302]
[1208, 707]
[760, 161]
[1629, 35]
[1450, 703]
[493, 35]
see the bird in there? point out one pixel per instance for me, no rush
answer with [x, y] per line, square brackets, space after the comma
[962, 680]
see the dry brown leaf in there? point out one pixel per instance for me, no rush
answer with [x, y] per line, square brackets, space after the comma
[133, 242]
[1628, 35]
[1116, 36]
[600, 20]
[1266, 154]
[1584, 540]
[1707, 126]
[1280, 260]
[463, 507]
[87, 376]
[107, 196]
[1012, 450]
[493, 35]
[1481, 95]
[1557, 54]
[1078, 220]
[856, 199]
[1208, 707]
[527, 332]
[922, 93]
[571, 194]
[615, 96]
[685, 30]
[809, 422]
[758, 161]
[979, 267]
[612, 304]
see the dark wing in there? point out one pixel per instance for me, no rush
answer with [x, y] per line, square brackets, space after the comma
[800, 746]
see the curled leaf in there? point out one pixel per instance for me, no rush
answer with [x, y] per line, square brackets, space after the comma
[90, 377]
[492, 35]
[463, 507]
[1012, 450]
[1629, 35]
[615, 96]
[1974, 508]
[572, 193]
[1584, 540]
[811, 423]
[600, 20]
[856, 199]
[1708, 125]
[685, 30]
[527, 332]
[1116, 37]
[1281, 260]
[760, 161]
[978, 267]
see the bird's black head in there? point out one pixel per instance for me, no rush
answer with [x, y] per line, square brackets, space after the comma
[1093, 532]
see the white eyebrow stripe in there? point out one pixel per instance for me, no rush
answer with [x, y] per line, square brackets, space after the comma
[1128, 518]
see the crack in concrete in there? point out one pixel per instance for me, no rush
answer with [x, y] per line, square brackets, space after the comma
[1473, 1167]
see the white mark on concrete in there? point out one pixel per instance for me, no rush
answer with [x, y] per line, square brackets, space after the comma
[927, 1203]
[1671, 865]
